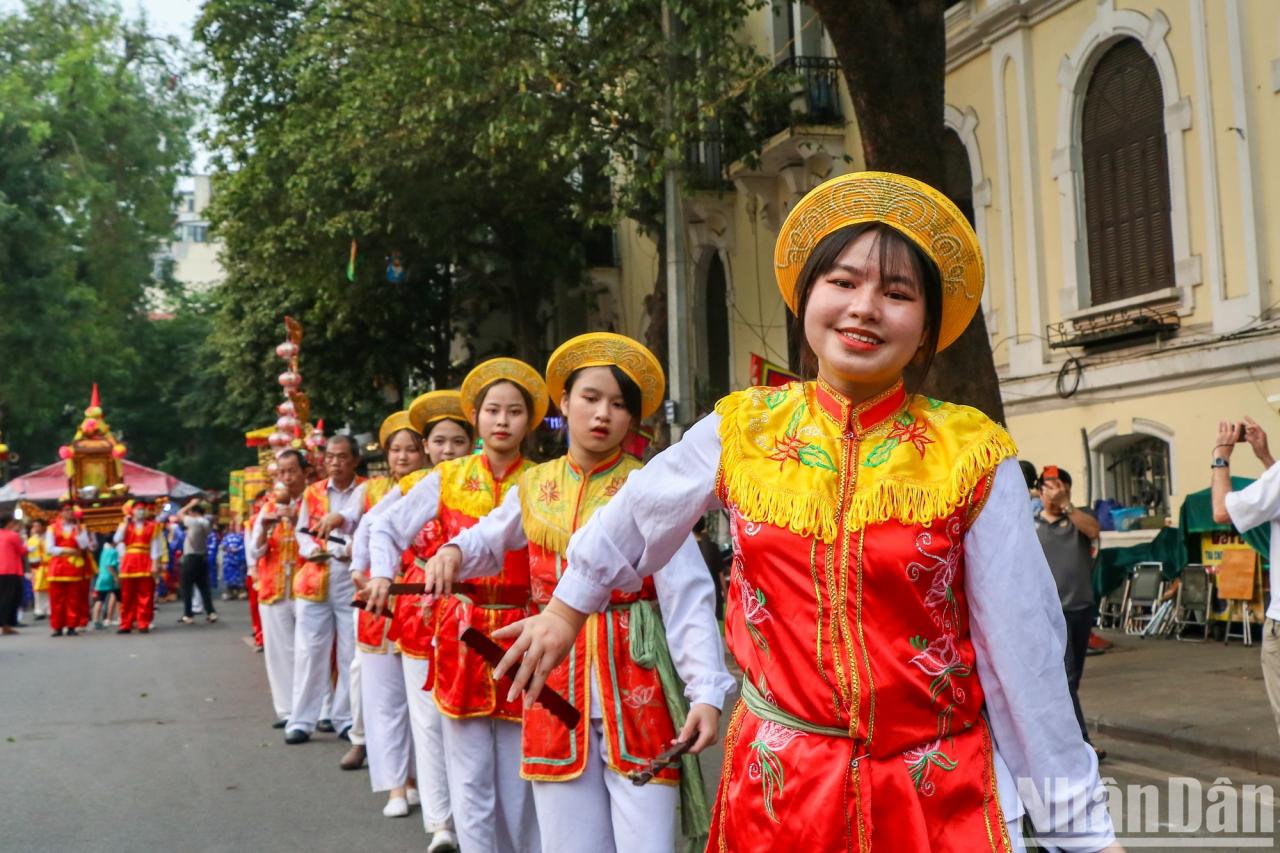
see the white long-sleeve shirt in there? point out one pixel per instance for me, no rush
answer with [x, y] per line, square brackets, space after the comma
[1255, 504]
[1016, 622]
[686, 597]
[157, 541]
[360, 554]
[393, 531]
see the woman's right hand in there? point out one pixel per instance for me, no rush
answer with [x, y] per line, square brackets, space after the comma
[376, 594]
[442, 570]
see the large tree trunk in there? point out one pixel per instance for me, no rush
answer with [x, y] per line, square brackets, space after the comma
[893, 53]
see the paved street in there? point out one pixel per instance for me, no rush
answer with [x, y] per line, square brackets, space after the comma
[125, 743]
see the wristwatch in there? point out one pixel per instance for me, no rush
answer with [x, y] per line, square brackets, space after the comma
[1219, 462]
[1068, 509]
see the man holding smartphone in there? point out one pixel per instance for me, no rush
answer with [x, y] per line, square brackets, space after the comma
[1257, 503]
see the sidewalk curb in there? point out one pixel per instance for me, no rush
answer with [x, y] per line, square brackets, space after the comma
[1257, 760]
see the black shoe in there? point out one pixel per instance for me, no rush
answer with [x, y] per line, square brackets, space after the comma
[146, 630]
[57, 633]
[325, 726]
[345, 734]
[124, 630]
[279, 724]
[71, 632]
[40, 616]
[296, 736]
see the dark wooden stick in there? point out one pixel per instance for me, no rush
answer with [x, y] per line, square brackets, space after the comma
[548, 698]
[337, 540]
[668, 758]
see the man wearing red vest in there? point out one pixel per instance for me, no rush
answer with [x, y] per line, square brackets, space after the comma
[142, 542]
[68, 545]
[322, 591]
[272, 555]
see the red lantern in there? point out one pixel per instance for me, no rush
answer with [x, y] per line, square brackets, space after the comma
[65, 452]
[287, 350]
[278, 439]
[290, 380]
[119, 451]
[287, 423]
[90, 426]
[287, 408]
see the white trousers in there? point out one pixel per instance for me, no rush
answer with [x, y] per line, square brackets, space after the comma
[428, 746]
[42, 604]
[357, 692]
[602, 810]
[495, 806]
[319, 625]
[388, 737]
[277, 647]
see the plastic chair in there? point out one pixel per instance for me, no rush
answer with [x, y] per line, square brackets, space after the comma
[1146, 583]
[1195, 597]
[1111, 608]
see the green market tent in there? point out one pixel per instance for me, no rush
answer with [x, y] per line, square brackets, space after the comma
[1174, 547]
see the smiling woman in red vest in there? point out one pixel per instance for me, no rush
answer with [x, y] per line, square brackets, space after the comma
[890, 606]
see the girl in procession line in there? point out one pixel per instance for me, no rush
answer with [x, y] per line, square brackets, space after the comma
[505, 399]
[899, 632]
[628, 680]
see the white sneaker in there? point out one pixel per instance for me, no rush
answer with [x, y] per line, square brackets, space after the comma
[443, 840]
[414, 798]
[396, 807]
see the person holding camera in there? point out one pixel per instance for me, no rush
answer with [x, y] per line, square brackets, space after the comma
[1258, 503]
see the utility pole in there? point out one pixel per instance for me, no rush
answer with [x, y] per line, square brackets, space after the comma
[680, 369]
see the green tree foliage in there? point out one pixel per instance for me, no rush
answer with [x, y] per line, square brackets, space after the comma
[94, 121]
[480, 140]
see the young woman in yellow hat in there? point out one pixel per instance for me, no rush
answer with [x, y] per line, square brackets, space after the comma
[628, 684]
[505, 399]
[890, 607]
[399, 714]
[380, 710]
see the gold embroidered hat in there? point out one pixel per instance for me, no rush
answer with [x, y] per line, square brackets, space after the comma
[602, 349]
[393, 424]
[919, 212]
[511, 370]
[430, 407]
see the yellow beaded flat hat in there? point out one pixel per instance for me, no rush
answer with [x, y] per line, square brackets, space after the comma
[602, 349]
[393, 424]
[512, 370]
[916, 210]
[430, 407]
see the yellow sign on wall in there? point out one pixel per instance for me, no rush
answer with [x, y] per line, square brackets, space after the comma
[1212, 546]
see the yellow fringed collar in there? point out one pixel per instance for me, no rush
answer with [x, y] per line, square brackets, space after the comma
[467, 484]
[558, 497]
[787, 454]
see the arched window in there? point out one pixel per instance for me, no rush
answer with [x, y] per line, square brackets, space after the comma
[716, 323]
[1126, 177]
[957, 180]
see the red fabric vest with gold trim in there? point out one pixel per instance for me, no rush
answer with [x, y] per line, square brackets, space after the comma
[411, 629]
[464, 685]
[311, 581]
[64, 568]
[278, 561]
[847, 609]
[371, 629]
[136, 562]
[557, 499]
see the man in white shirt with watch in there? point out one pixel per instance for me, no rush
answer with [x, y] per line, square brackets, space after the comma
[1257, 503]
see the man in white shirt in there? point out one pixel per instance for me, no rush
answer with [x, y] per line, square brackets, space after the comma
[1258, 503]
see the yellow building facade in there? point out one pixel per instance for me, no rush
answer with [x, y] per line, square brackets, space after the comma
[1117, 160]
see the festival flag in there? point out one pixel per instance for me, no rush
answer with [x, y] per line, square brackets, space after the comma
[351, 264]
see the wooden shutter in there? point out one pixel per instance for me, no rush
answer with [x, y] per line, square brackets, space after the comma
[1126, 177]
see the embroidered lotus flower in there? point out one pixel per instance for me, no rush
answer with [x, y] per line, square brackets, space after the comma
[638, 697]
[922, 758]
[766, 767]
[912, 433]
[614, 485]
[941, 660]
[549, 493]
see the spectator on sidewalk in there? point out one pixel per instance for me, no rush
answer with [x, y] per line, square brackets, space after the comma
[106, 587]
[1257, 503]
[195, 566]
[1066, 534]
[13, 567]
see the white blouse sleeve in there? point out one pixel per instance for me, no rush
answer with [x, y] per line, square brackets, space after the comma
[393, 531]
[360, 543]
[643, 526]
[1019, 638]
[484, 545]
[1257, 503]
[687, 597]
